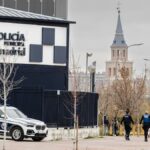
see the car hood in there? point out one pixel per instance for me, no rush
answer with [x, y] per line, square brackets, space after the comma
[27, 121]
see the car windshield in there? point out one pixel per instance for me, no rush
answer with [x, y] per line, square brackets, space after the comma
[15, 113]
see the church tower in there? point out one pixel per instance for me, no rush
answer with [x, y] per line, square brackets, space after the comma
[119, 54]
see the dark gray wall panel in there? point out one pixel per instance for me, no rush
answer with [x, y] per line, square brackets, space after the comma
[35, 6]
[10, 3]
[36, 53]
[48, 7]
[22, 5]
[48, 36]
[60, 54]
[61, 8]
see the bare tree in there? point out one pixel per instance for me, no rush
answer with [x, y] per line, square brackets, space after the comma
[105, 99]
[75, 87]
[7, 84]
[78, 84]
[106, 104]
[128, 92]
[75, 96]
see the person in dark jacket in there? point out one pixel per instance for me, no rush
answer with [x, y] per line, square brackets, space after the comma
[145, 119]
[106, 125]
[115, 127]
[127, 120]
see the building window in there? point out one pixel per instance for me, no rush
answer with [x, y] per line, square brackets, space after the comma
[114, 71]
[113, 53]
[118, 53]
[127, 70]
[124, 53]
[109, 71]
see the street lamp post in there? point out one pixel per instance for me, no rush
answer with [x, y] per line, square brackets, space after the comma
[137, 44]
[92, 69]
[146, 70]
[147, 78]
[146, 59]
[87, 55]
[117, 61]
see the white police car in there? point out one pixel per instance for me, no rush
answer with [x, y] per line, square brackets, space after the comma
[19, 126]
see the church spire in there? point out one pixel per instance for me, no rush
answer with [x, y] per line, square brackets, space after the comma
[119, 37]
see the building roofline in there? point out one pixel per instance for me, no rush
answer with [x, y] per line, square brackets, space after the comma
[19, 15]
[28, 20]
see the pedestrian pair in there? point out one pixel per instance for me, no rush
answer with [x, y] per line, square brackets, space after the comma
[127, 120]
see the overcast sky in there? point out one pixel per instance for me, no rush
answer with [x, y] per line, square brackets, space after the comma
[95, 29]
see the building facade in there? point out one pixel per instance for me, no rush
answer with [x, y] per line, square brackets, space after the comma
[42, 53]
[56, 8]
[38, 46]
[84, 84]
[119, 54]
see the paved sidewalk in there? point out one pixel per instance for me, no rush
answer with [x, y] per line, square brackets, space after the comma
[106, 143]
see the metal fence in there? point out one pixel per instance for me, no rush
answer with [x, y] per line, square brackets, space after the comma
[56, 108]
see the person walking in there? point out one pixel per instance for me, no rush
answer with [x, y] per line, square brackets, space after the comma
[106, 125]
[145, 119]
[127, 120]
[115, 127]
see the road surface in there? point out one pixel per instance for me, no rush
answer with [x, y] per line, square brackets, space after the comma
[105, 143]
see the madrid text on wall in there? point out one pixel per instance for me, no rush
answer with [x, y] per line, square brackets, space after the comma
[13, 43]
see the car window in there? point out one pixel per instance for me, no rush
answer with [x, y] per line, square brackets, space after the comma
[15, 113]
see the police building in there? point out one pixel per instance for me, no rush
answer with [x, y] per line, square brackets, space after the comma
[40, 46]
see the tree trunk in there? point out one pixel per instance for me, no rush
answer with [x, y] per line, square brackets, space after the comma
[5, 124]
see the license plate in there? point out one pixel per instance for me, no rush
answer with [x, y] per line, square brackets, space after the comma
[40, 131]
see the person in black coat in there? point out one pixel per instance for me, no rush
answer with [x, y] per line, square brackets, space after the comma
[115, 127]
[145, 119]
[106, 125]
[127, 120]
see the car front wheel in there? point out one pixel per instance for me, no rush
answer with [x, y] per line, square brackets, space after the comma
[17, 134]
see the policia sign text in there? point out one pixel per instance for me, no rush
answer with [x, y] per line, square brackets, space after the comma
[14, 44]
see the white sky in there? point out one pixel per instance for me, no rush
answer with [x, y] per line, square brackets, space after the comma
[95, 29]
